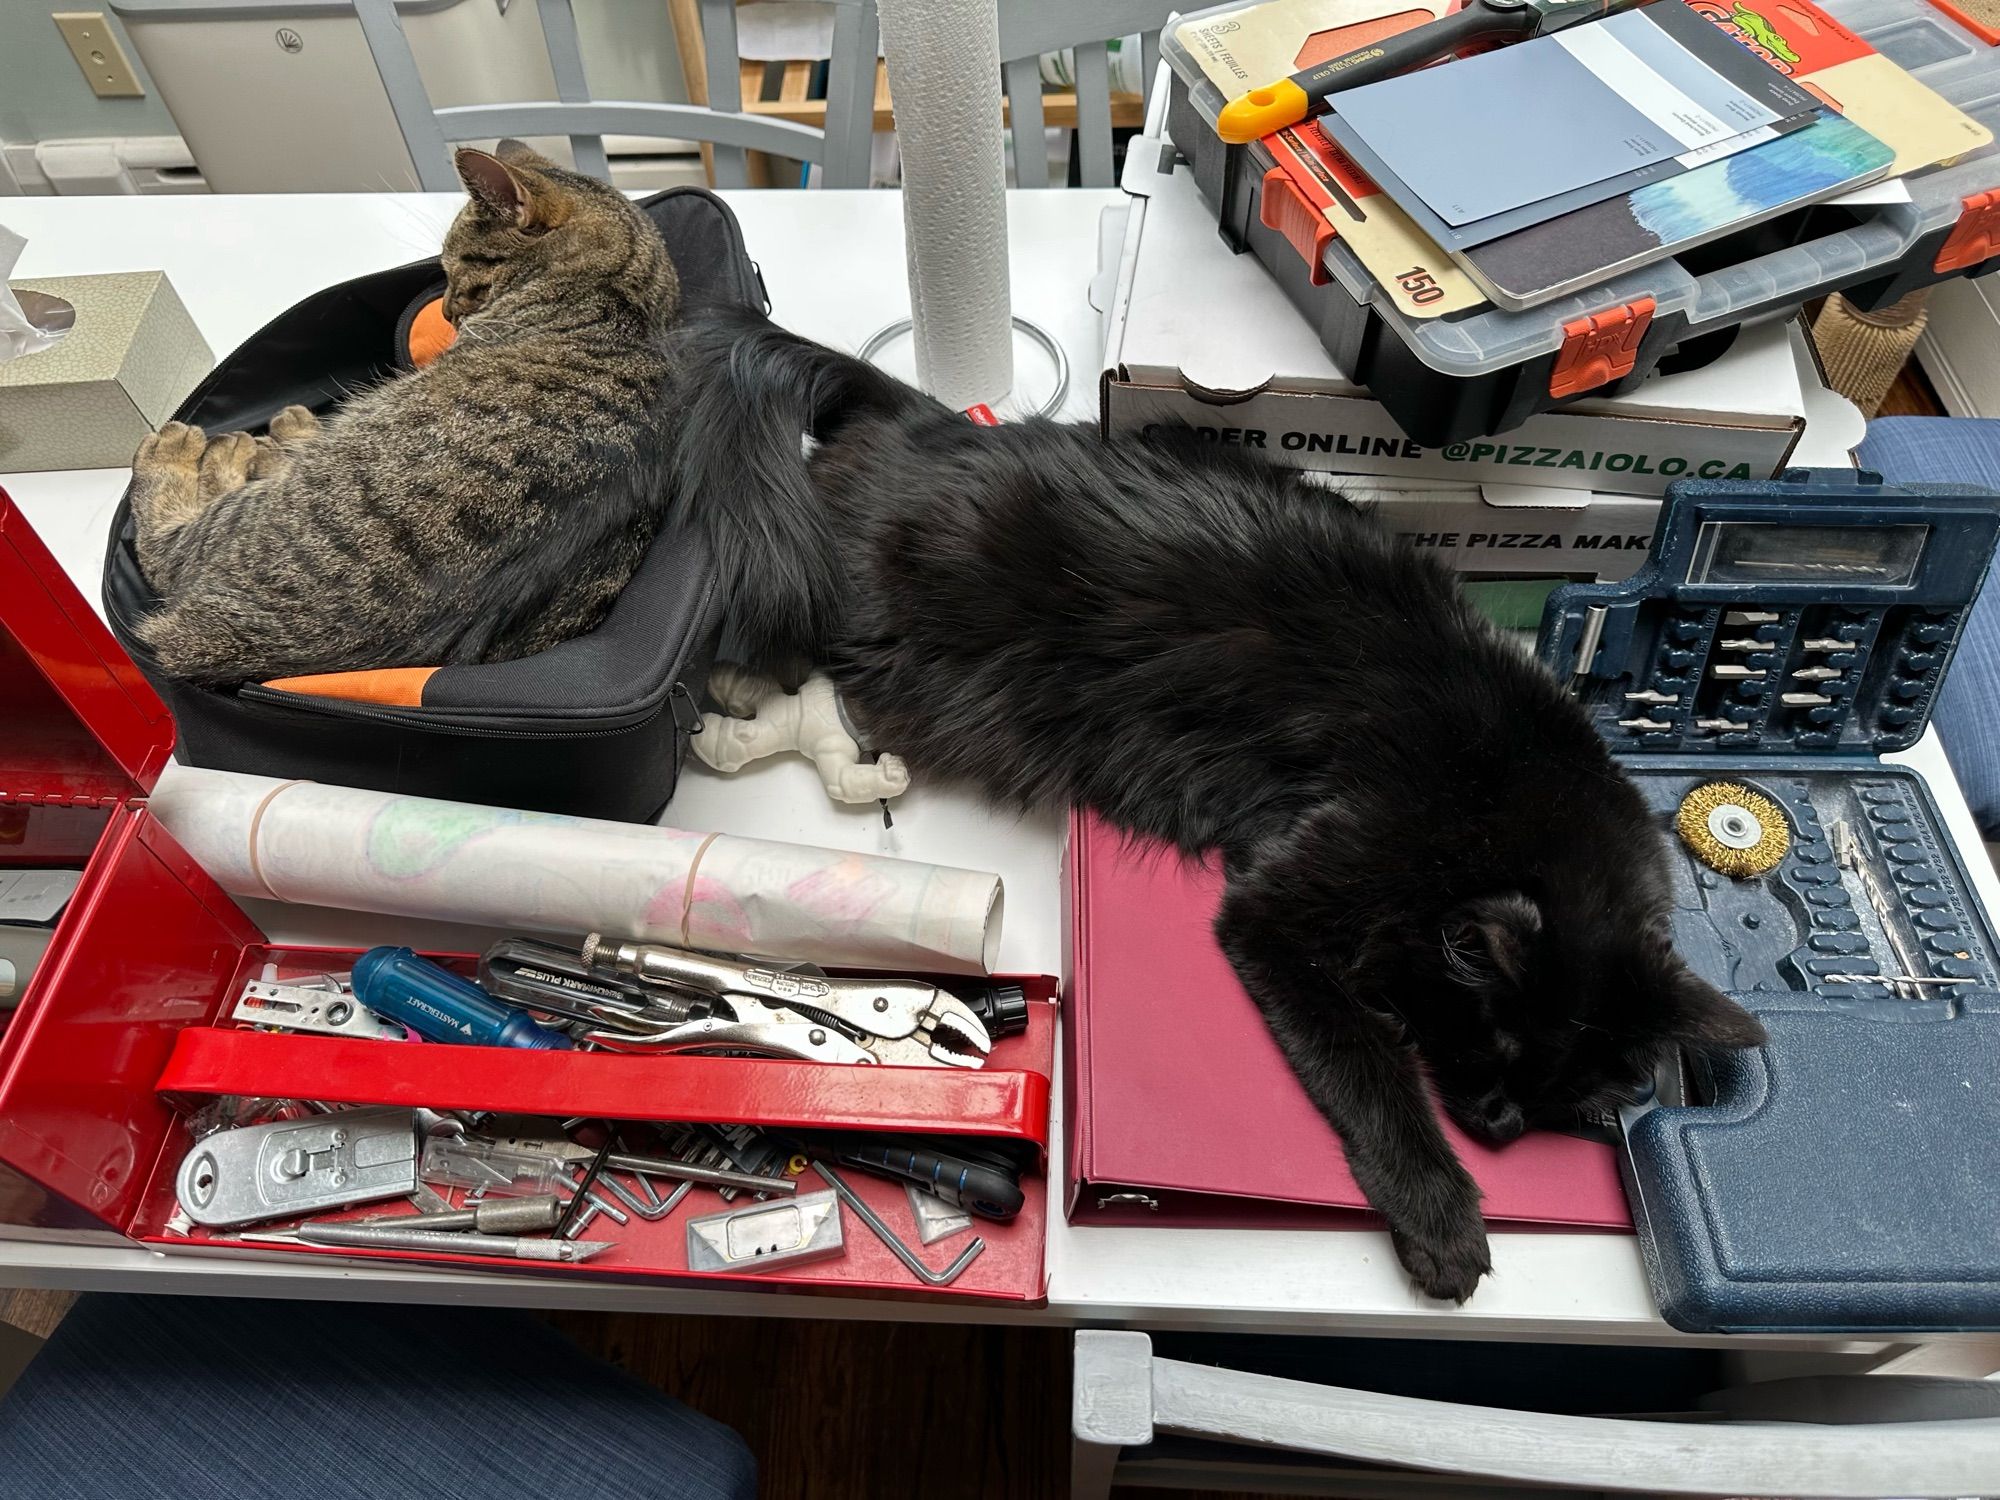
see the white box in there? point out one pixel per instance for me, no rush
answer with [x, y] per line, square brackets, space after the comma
[1198, 336]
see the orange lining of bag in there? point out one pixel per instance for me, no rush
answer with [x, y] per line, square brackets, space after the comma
[430, 334]
[1976, 235]
[1600, 348]
[1284, 208]
[399, 687]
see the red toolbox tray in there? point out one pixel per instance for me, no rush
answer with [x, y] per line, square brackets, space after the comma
[124, 1017]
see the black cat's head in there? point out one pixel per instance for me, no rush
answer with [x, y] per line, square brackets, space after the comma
[1561, 1003]
[531, 226]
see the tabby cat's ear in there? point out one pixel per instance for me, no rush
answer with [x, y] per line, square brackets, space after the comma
[495, 187]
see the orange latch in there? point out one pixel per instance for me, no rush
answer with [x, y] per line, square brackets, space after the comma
[1976, 235]
[1600, 348]
[1284, 208]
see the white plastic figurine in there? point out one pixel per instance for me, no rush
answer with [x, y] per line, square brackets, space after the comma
[762, 719]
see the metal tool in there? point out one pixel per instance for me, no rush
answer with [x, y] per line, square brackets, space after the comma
[887, 1235]
[1587, 644]
[680, 1171]
[1848, 856]
[505, 1216]
[1826, 643]
[1731, 672]
[932, 1025]
[595, 1201]
[1818, 674]
[1751, 617]
[299, 1167]
[1645, 726]
[442, 1242]
[1254, 115]
[575, 1216]
[1745, 643]
[767, 1236]
[741, 1023]
[556, 982]
[1650, 695]
[1804, 700]
[652, 1208]
[494, 1168]
[1893, 980]
[1733, 829]
[936, 1219]
[319, 1008]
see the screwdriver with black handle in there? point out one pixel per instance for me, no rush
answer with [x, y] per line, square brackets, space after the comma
[963, 1177]
[1252, 116]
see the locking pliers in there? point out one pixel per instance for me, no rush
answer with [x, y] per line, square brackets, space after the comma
[899, 1021]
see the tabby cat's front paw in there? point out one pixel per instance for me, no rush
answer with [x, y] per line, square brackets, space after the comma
[1446, 1259]
[294, 423]
[176, 446]
[226, 464]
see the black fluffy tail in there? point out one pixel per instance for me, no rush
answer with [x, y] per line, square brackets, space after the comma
[753, 391]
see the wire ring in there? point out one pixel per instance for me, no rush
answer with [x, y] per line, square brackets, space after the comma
[1040, 336]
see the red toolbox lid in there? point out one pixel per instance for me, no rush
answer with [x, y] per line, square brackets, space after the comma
[82, 724]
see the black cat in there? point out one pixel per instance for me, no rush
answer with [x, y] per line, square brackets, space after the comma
[1432, 862]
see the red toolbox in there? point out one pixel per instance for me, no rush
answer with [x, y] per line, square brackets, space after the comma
[122, 1020]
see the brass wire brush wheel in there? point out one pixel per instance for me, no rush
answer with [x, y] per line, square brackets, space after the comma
[1733, 830]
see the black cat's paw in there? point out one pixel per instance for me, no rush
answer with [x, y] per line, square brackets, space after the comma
[1447, 1261]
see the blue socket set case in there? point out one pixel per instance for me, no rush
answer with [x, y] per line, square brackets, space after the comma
[1783, 636]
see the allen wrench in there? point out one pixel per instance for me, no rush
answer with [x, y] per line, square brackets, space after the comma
[651, 1208]
[888, 1237]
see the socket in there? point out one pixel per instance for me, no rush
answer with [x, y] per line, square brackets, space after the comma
[105, 67]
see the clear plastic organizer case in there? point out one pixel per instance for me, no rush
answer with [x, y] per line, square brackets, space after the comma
[1505, 363]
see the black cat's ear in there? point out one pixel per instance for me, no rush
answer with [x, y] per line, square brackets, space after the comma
[1493, 936]
[1698, 1015]
[495, 187]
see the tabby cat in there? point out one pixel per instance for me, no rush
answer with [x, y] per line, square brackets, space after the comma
[480, 509]
[1436, 878]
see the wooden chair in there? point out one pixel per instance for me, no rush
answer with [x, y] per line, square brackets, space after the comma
[840, 146]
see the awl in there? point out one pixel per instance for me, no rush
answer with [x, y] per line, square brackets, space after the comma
[442, 1242]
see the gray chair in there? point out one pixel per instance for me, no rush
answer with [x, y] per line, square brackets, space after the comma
[1861, 1436]
[841, 150]
[1028, 28]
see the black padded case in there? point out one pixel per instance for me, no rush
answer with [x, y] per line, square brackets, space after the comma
[596, 726]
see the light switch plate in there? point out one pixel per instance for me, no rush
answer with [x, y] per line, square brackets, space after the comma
[105, 67]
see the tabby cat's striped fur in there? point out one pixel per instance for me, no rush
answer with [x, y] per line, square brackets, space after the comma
[481, 509]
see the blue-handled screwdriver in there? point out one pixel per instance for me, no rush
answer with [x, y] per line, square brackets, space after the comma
[442, 1007]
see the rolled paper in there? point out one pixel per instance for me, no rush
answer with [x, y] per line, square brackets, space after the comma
[317, 845]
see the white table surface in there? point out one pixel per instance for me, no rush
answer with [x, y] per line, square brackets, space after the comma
[834, 267]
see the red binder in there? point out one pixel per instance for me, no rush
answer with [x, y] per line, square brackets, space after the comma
[1180, 1108]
